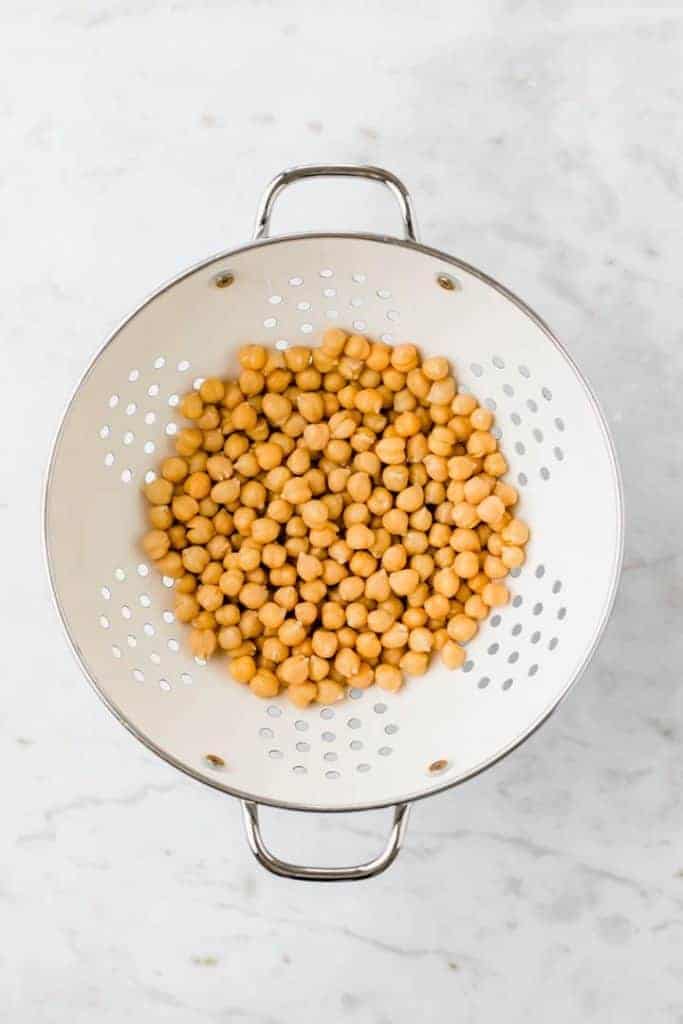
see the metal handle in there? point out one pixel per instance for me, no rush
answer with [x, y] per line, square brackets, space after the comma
[348, 874]
[394, 184]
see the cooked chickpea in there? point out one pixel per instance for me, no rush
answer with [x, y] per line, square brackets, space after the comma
[481, 443]
[461, 628]
[186, 607]
[301, 694]
[203, 643]
[388, 677]
[466, 564]
[243, 668]
[159, 491]
[512, 557]
[495, 594]
[516, 532]
[264, 684]
[195, 558]
[452, 654]
[156, 543]
[347, 662]
[170, 565]
[465, 515]
[414, 663]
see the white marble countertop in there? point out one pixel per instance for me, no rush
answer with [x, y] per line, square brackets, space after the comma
[542, 143]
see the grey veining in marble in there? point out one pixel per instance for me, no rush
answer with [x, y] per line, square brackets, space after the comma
[541, 142]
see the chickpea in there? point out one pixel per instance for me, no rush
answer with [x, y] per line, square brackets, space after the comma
[415, 542]
[316, 436]
[242, 669]
[226, 491]
[324, 643]
[396, 636]
[302, 694]
[507, 494]
[264, 684]
[296, 491]
[250, 625]
[394, 558]
[195, 559]
[186, 607]
[516, 532]
[388, 677]
[362, 564]
[395, 478]
[308, 567]
[332, 616]
[465, 515]
[439, 535]
[200, 530]
[229, 638]
[390, 450]
[253, 595]
[494, 567]
[292, 632]
[170, 565]
[202, 643]
[477, 488]
[227, 615]
[359, 537]
[351, 588]
[192, 406]
[347, 662]
[156, 544]
[159, 491]
[475, 608]
[414, 663]
[481, 419]
[188, 441]
[452, 654]
[420, 640]
[466, 564]
[461, 628]
[407, 424]
[512, 557]
[481, 443]
[446, 582]
[313, 591]
[495, 594]
[465, 540]
[252, 357]
[160, 517]
[395, 521]
[186, 584]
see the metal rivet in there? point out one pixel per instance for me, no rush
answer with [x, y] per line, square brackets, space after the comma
[446, 282]
[438, 766]
[224, 279]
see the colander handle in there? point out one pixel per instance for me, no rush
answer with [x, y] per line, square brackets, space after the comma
[288, 177]
[353, 873]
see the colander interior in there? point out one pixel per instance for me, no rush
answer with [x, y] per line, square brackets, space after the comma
[375, 748]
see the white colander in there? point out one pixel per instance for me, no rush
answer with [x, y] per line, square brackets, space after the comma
[375, 749]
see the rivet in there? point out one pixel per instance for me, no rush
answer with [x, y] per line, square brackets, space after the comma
[438, 766]
[446, 282]
[224, 279]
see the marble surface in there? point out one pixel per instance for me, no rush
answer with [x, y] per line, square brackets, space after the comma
[541, 142]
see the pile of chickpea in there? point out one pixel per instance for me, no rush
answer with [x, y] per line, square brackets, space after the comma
[334, 516]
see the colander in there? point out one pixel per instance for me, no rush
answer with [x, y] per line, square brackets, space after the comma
[375, 749]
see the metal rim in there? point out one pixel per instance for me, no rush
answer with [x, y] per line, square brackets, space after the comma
[616, 569]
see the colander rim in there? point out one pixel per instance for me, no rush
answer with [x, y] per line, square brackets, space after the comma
[608, 605]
